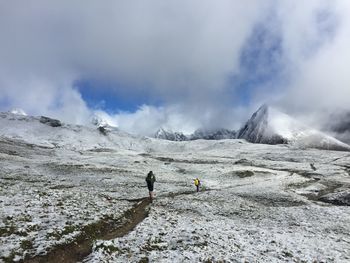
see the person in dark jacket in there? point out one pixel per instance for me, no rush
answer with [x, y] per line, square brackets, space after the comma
[150, 179]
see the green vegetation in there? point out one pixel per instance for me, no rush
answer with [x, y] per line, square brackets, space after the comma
[244, 174]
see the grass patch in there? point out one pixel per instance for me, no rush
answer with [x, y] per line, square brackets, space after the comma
[10, 258]
[7, 230]
[244, 174]
[26, 244]
[144, 260]
[107, 248]
[58, 234]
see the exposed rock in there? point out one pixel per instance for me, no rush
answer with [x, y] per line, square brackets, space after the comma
[103, 130]
[340, 198]
[50, 122]
[257, 129]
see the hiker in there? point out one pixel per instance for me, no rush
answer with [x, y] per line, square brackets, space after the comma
[197, 183]
[150, 179]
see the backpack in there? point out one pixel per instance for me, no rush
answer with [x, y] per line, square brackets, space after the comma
[196, 182]
[151, 178]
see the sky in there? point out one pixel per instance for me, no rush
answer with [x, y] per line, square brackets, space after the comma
[182, 65]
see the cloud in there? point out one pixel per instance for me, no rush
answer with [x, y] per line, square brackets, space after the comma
[209, 63]
[316, 44]
[147, 119]
[182, 51]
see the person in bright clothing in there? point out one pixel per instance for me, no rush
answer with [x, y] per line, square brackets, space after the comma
[197, 183]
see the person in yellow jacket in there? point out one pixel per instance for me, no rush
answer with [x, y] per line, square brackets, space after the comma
[197, 183]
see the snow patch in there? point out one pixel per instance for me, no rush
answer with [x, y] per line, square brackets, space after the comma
[18, 111]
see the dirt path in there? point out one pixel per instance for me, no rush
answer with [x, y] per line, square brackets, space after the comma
[105, 229]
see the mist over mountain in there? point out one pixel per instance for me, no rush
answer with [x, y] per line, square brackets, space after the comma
[258, 128]
[270, 126]
[169, 135]
[18, 111]
[69, 61]
[339, 125]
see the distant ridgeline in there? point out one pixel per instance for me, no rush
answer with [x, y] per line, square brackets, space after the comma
[219, 134]
[267, 126]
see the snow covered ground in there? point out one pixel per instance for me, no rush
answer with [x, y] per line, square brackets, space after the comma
[258, 203]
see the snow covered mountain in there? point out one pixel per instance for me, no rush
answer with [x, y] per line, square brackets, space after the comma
[103, 125]
[258, 128]
[50, 133]
[102, 121]
[200, 134]
[219, 134]
[169, 135]
[267, 125]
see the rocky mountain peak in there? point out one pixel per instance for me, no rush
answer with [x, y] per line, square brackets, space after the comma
[270, 126]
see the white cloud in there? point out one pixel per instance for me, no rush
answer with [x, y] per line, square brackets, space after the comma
[316, 45]
[148, 119]
[184, 52]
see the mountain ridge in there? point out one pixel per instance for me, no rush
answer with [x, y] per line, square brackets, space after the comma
[266, 126]
[200, 134]
[270, 126]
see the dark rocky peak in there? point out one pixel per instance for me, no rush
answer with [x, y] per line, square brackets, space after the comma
[50, 122]
[258, 129]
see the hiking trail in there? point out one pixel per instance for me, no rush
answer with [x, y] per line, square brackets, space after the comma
[104, 229]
